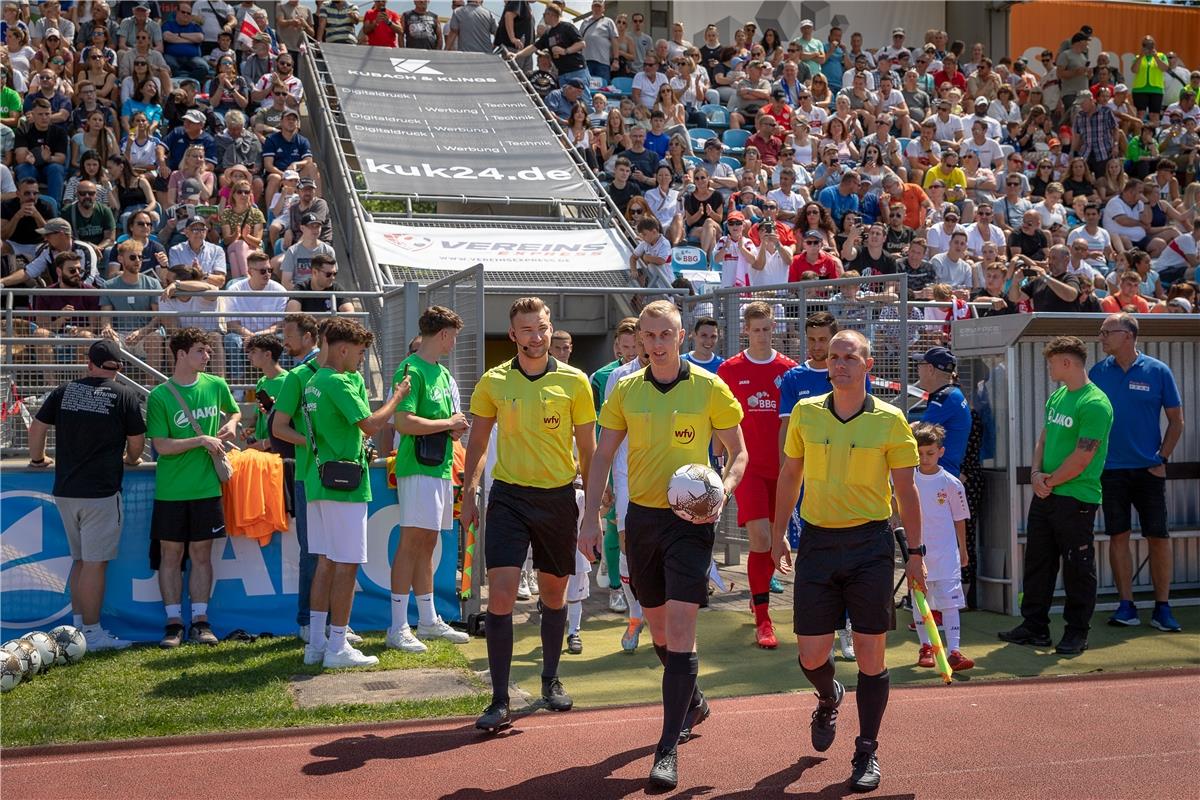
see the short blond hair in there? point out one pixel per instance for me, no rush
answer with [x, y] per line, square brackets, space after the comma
[757, 310]
[863, 343]
[130, 246]
[659, 309]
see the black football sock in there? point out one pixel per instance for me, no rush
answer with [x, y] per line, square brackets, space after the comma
[822, 678]
[872, 695]
[498, 629]
[661, 652]
[679, 682]
[554, 627]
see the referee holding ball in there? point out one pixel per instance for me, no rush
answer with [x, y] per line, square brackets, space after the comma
[669, 411]
[844, 447]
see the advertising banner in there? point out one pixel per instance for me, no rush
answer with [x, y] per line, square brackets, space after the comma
[443, 124]
[499, 249]
[255, 587]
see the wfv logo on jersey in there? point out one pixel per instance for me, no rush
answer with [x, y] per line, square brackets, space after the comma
[413, 66]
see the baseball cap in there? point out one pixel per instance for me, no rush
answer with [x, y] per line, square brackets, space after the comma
[1120, 87]
[142, 5]
[291, 175]
[1181, 302]
[577, 83]
[778, 94]
[310, 219]
[1053, 142]
[897, 31]
[307, 182]
[56, 225]
[813, 233]
[944, 103]
[736, 215]
[51, 32]
[939, 358]
[195, 116]
[105, 354]
[194, 221]
[291, 112]
[982, 101]
[191, 187]
[806, 23]
[261, 37]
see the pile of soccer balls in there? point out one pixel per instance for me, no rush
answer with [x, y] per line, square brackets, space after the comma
[36, 652]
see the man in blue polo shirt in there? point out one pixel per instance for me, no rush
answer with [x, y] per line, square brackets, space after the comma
[1139, 388]
[946, 406]
[841, 199]
[287, 149]
[190, 132]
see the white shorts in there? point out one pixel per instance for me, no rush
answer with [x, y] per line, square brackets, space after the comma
[425, 502]
[578, 586]
[946, 594]
[338, 531]
[621, 497]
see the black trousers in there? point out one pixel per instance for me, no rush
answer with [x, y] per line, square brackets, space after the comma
[1059, 530]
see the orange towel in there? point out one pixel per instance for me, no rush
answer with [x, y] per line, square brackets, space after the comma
[253, 498]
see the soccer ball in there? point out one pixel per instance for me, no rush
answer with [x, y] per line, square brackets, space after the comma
[14, 646]
[32, 655]
[71, 644]
[47, 648]
[695, 492]
[10, 671]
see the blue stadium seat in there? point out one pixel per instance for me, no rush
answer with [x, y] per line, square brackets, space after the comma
[624, 86]
[691, 161]
[731, 162]
[699, 136]
[735, 140]
[718, 116]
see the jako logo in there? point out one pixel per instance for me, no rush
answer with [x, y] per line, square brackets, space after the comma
[413, 66]
[685, 435]
[1058, 418]
[552, 421]
[35, 583]
[181, 420]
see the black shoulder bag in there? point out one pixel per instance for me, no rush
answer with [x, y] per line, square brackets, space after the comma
[344, 476]
[430, 448]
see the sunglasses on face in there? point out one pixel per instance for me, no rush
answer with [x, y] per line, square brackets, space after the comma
[637, 212]
[812, 241]
[142, 222]
[328, 273]
[261, 270]
[86, 194]
[736, 223]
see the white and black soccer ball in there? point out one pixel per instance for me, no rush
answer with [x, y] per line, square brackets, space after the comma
[695, 492]
[71, 644]
[11, 673]
[46, 646]
[33, 656]
[14, 646]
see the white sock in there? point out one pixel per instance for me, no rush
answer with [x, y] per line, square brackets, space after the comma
[337, 639]
[528, 566]
[399, 611]
[77, 620]
[425, 610]
[174, 610]
[635, 608]
[199, 610]
[316, 629]
[917, 618]
[951, 622]
[574, 616]
[92, 630]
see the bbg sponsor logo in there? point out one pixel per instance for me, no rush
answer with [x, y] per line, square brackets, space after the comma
[763, 401]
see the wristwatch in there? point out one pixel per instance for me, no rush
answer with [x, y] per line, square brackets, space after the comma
[919, 550]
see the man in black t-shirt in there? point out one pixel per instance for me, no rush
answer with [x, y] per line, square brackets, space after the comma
[1053, 290]
[919, 271]
[622, 189]
[99, 428]
[421, 28]
[323, 279]
[1029, 239]
[565, 44]
[866, 254]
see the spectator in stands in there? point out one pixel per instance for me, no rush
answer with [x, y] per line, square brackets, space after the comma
[22, 217]
[703, 211]
[287, 149]
[381, 27]
[142, 335]
[67, 266]
[751, 93]
[866, 253]
[649, 82]
[813, 258]
[322, 278]
[1127, 297]
[1127, 217]
[296, 263]
[99, 431]
[955, 268]
[259, 61]
[197, 253]
[421, 28]
[40, 149]
[1052, 289]
[139, 22]
[193, 171]
[643, 161]
[268, 119]
[650, 261]
[1093, 133]
[59, 239]
[664, 202]
[788, 200]
[241, 228]
[600, 37]
[1180, 256]
[228, 91]
[566, 46]
[1150, 285]
[983, 231]
[562, 101]
[1029, 239]
[190, 133]
[154, 256]
[282, 75]
[183, 37]
[249, 316]
[919, 271]
[472, 28]
[842, 198]
[336, 21]
[622, 188]
[307, 203]
[92, 222]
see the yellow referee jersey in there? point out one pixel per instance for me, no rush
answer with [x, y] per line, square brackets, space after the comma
[847, 465]
[536, 419]
[667, 425]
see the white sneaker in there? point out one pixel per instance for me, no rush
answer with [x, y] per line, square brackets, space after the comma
[846, 641]
[440, 630]
[533, 584]
[103, 640]
[403, 639]
[348, 657]
[313, 655]
[303, 633]
[616, 601]
[523, 592]
[352, 637]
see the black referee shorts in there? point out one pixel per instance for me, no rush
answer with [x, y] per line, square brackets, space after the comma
[841, 570]
[520, 516]
[1141, 490]
[668, 556]
[187, 520]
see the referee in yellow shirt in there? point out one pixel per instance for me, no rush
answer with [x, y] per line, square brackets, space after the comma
[670, 411]
[844, 447]
[542, 407]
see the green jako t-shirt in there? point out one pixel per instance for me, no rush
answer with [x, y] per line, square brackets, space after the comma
[430, 397]
[288, 402]
[1070, 416]
[189, 475]
[271, 386]
[336, 403]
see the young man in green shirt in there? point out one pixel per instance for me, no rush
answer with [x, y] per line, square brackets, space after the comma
[423, 482]
[339, 415]
[187, 492]
[263, 352]
[1067, 463]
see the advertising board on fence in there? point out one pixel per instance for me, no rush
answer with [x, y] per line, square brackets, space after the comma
[254, 587]
[435, 123]
[499, 249]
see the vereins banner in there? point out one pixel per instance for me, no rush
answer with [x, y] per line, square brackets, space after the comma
[433, 123]
[498, 249]
[254, 587]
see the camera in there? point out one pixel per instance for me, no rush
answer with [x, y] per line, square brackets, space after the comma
[1028, 272]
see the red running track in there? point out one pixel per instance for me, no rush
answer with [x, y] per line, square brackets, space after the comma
[1110, 738]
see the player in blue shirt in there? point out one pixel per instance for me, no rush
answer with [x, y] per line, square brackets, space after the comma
[946, 405]
[1140, 389]
[705, 335]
